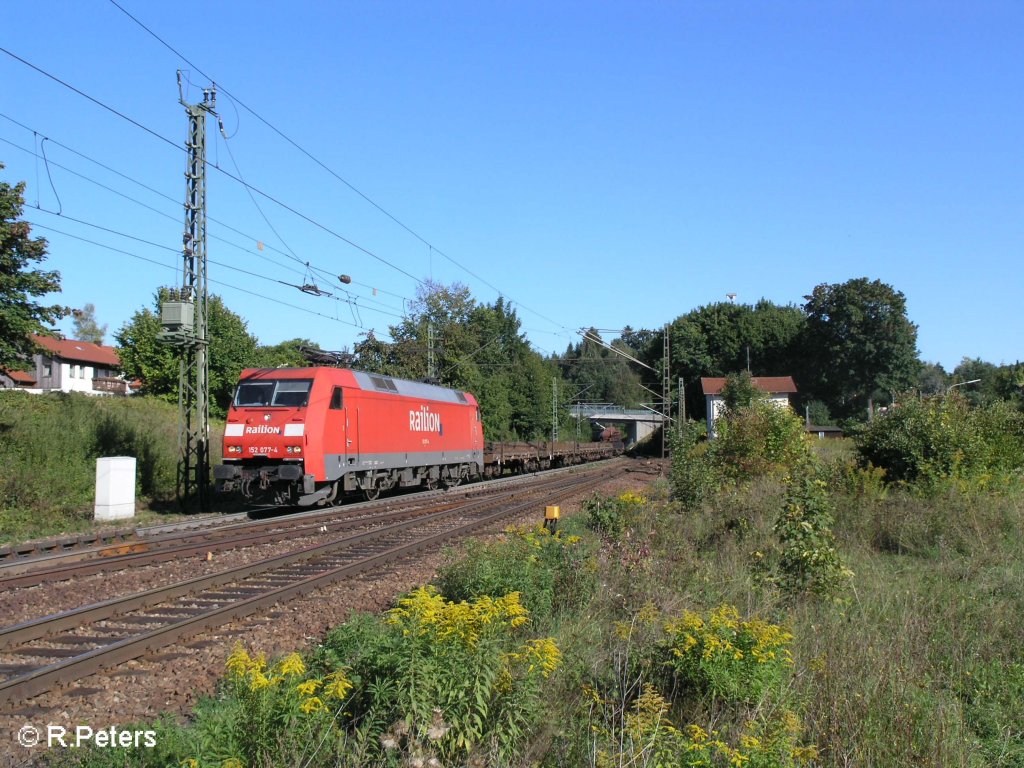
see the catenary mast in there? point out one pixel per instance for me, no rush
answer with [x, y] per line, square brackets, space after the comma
[184, 318]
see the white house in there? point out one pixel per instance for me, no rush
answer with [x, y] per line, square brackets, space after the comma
[778, 389]
[66, 365]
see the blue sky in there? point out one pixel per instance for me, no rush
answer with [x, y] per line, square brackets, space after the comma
[599, 164]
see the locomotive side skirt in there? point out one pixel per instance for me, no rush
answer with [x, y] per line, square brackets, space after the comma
[336, 465]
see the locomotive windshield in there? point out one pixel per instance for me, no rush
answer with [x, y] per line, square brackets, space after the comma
[271, 393]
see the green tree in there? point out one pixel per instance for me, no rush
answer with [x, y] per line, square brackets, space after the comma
[375, 356]
[477, 347]
[599, 374]
[85, 327]
[289, 353]
[142, 358]
[20, 283]
[983, 373]
[932, 379]
[723, 338]
[740, 391]
[231, 349]
[858, 340]
[990, 382]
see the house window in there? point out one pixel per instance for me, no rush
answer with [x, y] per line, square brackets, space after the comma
[74, 371]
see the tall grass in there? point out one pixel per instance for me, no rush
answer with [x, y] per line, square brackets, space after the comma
[914, 660]
[48, 450]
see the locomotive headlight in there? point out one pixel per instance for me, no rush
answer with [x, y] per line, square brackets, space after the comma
[234, 449]
[294, 449]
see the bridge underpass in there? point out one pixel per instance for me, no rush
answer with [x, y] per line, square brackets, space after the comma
[638, 423]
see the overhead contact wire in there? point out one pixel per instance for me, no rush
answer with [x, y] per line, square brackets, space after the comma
[231, 176]
[329, 170]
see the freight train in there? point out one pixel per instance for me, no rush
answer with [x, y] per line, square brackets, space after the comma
[311, 436]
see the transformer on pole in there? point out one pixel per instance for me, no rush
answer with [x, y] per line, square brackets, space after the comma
[184, 318]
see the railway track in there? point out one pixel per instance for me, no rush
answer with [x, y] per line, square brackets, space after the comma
[53, 651]
[35, 562]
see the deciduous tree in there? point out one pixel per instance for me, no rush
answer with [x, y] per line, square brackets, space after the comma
[85, 327]
[859, 340]
[21, 283]
[287, 353]
[231, 349]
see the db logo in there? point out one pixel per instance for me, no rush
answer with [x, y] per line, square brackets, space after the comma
[29, 736]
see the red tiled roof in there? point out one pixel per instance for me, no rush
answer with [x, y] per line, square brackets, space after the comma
[79, 351]
[19, 377]
[770, 384]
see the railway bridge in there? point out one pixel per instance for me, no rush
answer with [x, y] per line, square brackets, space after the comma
[639, 423]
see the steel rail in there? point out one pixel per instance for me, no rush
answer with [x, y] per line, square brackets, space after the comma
[43, 678]
[126, 542]
[48, 625]
[236, 536]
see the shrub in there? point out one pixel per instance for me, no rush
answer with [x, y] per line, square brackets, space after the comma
[548, 570]
[808, 560]
[612, 516]
[724, 656]
[694, 476]
[444, 679]
[643, 734]
[758, 439]
[934, 439]
[754, 437]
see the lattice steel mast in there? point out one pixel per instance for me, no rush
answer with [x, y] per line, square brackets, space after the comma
[666, 392]
[184, 317]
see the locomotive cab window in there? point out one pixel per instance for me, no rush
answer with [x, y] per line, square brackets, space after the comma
[271, 393]
[337, 399]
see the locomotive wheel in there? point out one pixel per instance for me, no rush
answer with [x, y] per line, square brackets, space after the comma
[430, 483]
[371, 494]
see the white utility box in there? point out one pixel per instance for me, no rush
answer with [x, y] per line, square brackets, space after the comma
[115, 487]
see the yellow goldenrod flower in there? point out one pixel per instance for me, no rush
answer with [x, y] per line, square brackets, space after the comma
[291, 664]
[312, 704]
[338, 685]
[258, 681]
[696, 733]
[238, 662]
[804, 755]
[749, 742]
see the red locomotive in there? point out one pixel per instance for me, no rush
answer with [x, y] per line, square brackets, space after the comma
[309, 435]
[305, 435]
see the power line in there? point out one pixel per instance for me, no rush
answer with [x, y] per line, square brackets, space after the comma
[325, 167]
[130, 199]
[170, 199]
[173, 267]
[260, 191]
[84, 95]
[231, 176]
[227, 146]
[211, 261]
